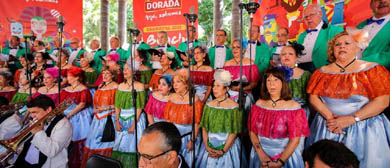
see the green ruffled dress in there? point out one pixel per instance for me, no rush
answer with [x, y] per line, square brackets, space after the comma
[298, 88]
[91, 77]
[124, 148]
[146, 75]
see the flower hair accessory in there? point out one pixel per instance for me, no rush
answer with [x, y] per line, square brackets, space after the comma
[223, 77]
[287, 72]
[88, 56]
[170, 55]
[360, 36]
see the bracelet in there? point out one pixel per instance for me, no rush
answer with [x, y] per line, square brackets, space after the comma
[223, 151]
[279, 160]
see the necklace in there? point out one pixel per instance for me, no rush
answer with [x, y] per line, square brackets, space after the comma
[182, 96]
[106, 84]
[163, 71]
[47, 88]
[236, 61]
[129, 84]
[73, 88]
[275, 101]
[342, 69]
[220, 101]
[197, 67]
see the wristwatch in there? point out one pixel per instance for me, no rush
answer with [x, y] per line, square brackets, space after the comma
[357, 119]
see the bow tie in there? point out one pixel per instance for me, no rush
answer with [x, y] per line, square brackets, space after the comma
[160, 46]
[14, 48]
[74, 50]
[283, 45]
[252, 42]
[94, 51]
[309, 31]
[219, 46]
[112, 50]
[371, 21]
[136, 43]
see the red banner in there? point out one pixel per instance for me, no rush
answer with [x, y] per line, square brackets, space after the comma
[153, 16]
[273, 14]
[22, 17]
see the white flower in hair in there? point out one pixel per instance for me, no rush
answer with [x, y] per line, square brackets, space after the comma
[223, 77]
[170, 55]
[360, 36]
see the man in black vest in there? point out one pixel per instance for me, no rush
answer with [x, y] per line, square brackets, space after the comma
[48, 145]
[159, 147]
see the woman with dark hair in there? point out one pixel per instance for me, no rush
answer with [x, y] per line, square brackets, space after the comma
[64, 65]
[168, 64]
[202, 73]
[23, 62]
[39, 67]
[97, 142]
[299, 77]
[276, 124]
[145, 72]
[79, 113]
[250, 75]
[221, 122]
[6, 89]
[125, 139]
[23, 94]
[179, 112]
[158, 100]
[350, 96]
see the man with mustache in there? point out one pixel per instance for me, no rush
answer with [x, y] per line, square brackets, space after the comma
[378, 28]
[315, 39]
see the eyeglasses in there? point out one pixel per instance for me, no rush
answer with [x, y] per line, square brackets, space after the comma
[236, 47]
[310, 15]
[148, 159]
[73, 42]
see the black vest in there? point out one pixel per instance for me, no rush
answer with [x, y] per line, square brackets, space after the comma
[21, 162]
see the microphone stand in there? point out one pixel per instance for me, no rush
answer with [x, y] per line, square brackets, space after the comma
[60, 26]
[191, 89]
[133, 91]
[28, 71]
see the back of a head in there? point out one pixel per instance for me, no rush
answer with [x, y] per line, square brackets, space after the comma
[332, 153]
[41, 101]
[170, 133]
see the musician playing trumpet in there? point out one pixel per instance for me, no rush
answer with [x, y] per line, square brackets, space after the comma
[48, 145]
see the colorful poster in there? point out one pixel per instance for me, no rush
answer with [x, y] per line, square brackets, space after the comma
[24, 17]
[273, 14]
[152, 16]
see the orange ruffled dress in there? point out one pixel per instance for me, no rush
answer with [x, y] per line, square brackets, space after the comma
[345, 94]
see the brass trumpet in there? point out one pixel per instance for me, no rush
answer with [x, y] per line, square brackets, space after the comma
[25, 133]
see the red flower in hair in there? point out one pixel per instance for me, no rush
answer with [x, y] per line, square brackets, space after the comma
[75, 71]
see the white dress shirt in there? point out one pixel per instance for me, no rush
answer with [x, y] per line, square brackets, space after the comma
[374, 28]
[309, 42]
[251, 49]
[55, 146]
[73, 56]
[8, 129]
[220, 57]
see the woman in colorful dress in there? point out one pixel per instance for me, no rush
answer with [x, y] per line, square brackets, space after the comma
[23, 94]
[158, 100]
[111, 62]
[145, 72]
[350, 96]
[250, 75]
[167, 62]
[23, 62]
[179, 112]
[79, 113]
[277, 124]
[64, 66]
[91, 75]
[103, 112]
[125, 140]
[6, 89]
[50, 87]
[39, 67]
[221, 122]
[202, 73]
[299, 78]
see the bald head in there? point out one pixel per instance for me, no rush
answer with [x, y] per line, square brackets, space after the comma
[74, 43]
[312, 16]
[94, 44]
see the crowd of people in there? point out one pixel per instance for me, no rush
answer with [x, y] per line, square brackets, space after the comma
[318, 101]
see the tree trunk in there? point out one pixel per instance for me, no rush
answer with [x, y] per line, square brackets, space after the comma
[235, 19]
[104, 23]
[122, 20]
[217, 21]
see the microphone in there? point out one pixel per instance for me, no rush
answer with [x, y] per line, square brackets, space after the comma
[135, 31]
[252, 7]
[191, 16]
[60, 24]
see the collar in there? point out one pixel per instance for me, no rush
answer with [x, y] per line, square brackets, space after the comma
[219, 46]
[180, 161]
[17, 47]
[75, 49]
